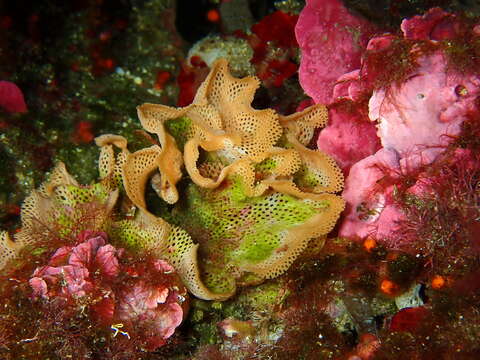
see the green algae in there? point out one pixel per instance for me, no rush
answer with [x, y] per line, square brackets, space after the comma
[267, 166]
[129, 234]
[306, 178]
[79, 195]
[178, 128]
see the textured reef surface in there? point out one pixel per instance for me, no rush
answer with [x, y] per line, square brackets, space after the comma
[240, 179]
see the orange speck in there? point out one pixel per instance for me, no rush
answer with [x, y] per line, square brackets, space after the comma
[213, 15]
[388, 287]
[438, 282]
[369, 244]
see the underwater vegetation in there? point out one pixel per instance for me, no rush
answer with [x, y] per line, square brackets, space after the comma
[224, 214]
[257, 199]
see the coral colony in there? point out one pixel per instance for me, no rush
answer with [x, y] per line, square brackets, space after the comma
[301, 184]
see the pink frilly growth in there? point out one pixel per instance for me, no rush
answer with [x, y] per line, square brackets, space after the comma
[68, 273]
[421, 115]
[348, 138]
[11, 98]
[144, 297]
[332, 41]
[154, 308]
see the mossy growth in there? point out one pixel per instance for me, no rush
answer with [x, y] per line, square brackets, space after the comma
[394, 63]
[367, 282]
[391, 64]
[463, 51]
[305, 178]
[441, 223]
[202, 322]
[469, 137]
[436, 334]
[264, 297]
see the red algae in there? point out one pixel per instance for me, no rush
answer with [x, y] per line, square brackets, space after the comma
[83, 132]
[95, 294]
[276, 72]
[278, 27]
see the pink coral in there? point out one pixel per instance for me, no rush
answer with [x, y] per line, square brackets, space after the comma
[349, 136]
[155, 306]
[331, 40]
[417, 113]
[11, 98]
